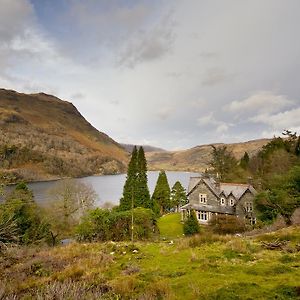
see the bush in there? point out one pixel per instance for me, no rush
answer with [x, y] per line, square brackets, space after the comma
[191, 224]
[103, 224]
[226, 224]
[23, 215]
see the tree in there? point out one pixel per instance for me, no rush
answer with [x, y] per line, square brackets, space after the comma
[142, 198]
[19, 207]
[191, 225]
[70, 201]
[129, 190]
[281, 198]
[222, 161]
[135, 191]
[297, 147]
[161, 195]
[245, 161]
[178, 195]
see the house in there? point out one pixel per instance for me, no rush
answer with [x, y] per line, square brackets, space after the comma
[208, 198]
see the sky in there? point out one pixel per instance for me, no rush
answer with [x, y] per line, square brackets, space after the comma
[167, 73]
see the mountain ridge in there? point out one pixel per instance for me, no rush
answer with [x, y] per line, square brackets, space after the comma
[50, 138]
[196, 159]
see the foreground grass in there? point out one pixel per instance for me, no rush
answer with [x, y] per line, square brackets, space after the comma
[201, 267]
[170, 226]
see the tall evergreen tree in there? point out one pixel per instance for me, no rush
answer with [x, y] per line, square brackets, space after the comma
[191, 225]
[245, 161]
[178, 195]
[129, 190]
[161, 195]
[297, 147]
[142, 191]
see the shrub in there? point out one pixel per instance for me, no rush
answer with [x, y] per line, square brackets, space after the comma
[191, 224]
[225, 224]
[103, 224]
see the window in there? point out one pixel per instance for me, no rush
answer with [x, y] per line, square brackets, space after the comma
[222, 201]
[202, 198]
[231, 202]
[248, 206]
[202, 215]
[252, 221]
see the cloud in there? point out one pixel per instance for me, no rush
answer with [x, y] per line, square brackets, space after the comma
[261, 102]
[147, 45]
[215, 76]
[165, 112]
[210, 121]
[289, 119]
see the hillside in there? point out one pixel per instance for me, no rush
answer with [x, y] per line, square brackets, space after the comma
[197, 159]
[43, 137]
[147, 148]
[201, 267]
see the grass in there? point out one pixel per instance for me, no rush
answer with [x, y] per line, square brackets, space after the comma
[219, 267]
[170, 226]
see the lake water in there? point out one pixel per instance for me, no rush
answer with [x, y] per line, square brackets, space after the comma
[109, 188]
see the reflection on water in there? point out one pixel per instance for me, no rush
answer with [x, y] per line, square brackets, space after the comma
[109, 187]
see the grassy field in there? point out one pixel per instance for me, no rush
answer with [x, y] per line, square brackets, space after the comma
[201, 267]
[170, 226]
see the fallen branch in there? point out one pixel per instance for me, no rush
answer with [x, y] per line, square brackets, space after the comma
[276, 245]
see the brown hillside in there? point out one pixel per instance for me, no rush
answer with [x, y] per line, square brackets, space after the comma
[197, 159]
[44, 137]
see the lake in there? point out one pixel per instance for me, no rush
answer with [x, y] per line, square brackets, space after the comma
[109, 188]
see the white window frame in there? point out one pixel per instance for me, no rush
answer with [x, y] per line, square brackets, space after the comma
[202, 215]
[223, 201]
[203, 198]
[249, 206]
[231, 202]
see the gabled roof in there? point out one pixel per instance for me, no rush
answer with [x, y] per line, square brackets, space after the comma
[209, 181]
[193, 182]
[237, 190]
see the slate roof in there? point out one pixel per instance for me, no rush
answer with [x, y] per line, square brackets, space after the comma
[236, 189]
[211, 208]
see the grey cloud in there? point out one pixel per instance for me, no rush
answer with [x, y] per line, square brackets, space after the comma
[215, 76]
[263, 101]
[150, 44]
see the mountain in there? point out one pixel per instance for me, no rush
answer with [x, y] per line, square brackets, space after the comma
[197, 159]
[43, 137]
[147, 148]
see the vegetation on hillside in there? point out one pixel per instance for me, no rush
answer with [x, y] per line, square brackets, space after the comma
[44, 137]
[203, 266]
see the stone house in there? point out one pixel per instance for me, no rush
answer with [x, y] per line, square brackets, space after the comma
[209, 198]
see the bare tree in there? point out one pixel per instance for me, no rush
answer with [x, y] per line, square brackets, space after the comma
[70, 200]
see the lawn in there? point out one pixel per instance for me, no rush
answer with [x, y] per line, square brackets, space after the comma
[170, 226]
[200, 267]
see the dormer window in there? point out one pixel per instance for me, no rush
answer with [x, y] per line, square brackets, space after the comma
[202, 198]
[231, 202]
[222, 201]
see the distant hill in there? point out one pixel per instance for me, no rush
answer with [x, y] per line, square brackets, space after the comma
[197, 159]
[147, 148]
[43, 137]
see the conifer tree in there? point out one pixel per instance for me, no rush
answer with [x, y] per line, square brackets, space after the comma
[129, 190]
[191, 224]
[178, 196]
[245, 161]
[161, 195]
[297, 147]
[142, 191]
